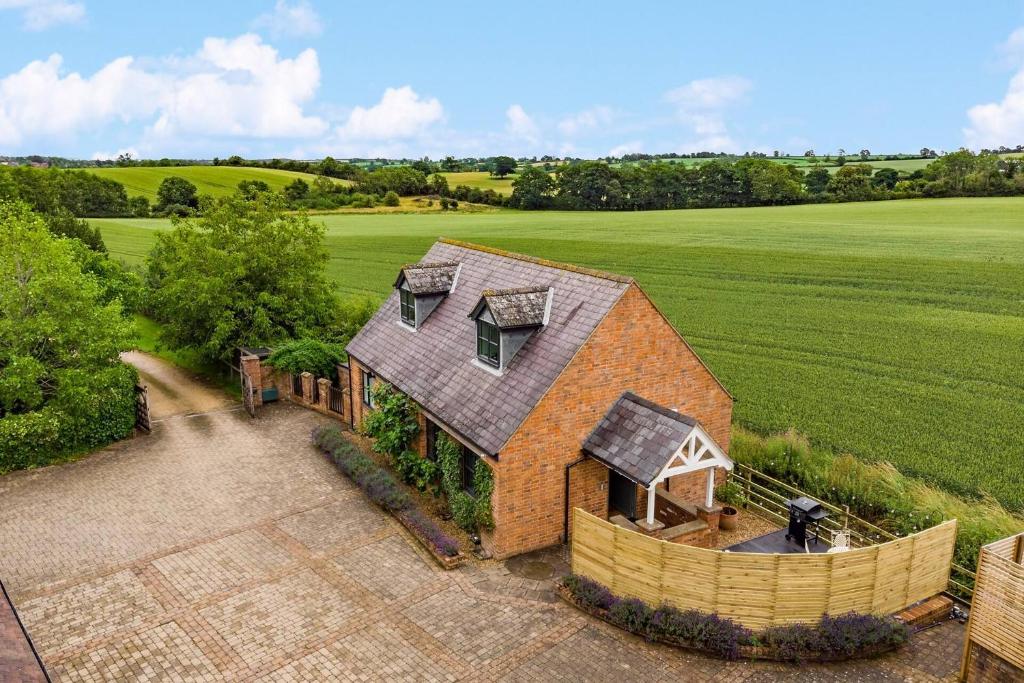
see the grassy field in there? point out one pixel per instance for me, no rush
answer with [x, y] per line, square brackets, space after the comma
[892, 330]
[480, 179]
[213, 180]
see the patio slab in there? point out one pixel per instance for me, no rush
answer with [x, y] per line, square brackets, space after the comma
[776, 542]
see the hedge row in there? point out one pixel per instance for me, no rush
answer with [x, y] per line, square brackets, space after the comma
[380, 487]
[60, 430]
[834, 638]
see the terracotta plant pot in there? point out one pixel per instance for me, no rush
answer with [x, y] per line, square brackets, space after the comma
[729, 518]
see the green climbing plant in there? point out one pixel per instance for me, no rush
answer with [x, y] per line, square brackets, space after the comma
[469, 512]
[393, 425]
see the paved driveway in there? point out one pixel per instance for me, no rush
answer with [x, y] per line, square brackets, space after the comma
[219, 548]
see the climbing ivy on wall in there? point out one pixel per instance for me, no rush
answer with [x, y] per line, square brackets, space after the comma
[392, 423]
[469, 512]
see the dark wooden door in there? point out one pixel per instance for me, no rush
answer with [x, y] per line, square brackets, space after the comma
[621, 495]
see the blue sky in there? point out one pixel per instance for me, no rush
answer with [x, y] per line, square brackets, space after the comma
[87, 78]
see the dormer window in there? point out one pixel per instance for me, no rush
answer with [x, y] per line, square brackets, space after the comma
[488, 342]
[506, 319]
[421, 287]
[407, 305]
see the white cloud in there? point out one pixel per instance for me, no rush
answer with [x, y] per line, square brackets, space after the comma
[238, 88]
[1001, 123]
[998, 123]
[701, 105]
[521, 125]
[401, 113]
[37, 15]
[108, 156]
[290, 20]
[705, 94]
[626, 148]
[585, 121]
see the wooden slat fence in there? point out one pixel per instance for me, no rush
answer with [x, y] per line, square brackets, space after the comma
[759, 590]
[767, 497]
[997, 611]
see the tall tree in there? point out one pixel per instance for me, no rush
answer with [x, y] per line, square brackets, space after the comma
[503, 166]
[244, 274]
[532, 189]
[176, 192]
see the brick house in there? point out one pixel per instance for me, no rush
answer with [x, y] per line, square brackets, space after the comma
[567, 382]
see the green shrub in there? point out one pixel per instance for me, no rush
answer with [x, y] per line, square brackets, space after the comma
[308, 355]
[391, 198]
[393, 423]
[469, 512]
[418, 471]
[101, 413]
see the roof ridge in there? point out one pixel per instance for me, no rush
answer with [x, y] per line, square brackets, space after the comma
[658, 408]
[538, 261]
[432, 264]
[515, 290]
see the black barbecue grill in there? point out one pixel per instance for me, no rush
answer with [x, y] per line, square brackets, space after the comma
[802, 512]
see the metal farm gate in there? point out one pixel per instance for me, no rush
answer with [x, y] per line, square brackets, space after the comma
[142, 418]
[248, 394]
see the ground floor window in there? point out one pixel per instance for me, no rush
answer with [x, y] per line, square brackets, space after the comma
[367, 379]
[432, 431]
[469, 465]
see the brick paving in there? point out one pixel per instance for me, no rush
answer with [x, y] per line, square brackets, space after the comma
[220, 549]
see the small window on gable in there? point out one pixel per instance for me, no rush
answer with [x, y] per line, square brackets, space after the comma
[488, 342]
[407, 305]
[367, 379]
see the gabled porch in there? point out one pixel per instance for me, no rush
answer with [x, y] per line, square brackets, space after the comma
[663, 470]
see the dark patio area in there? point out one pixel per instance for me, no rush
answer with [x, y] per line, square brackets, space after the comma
[776, 542]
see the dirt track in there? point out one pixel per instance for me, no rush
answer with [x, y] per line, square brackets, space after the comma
[171, 390]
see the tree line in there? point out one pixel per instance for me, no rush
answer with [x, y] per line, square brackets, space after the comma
[756, 181]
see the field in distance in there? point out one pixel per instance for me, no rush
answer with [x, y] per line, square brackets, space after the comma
[482, 180]
[892, 330]
[213, 180]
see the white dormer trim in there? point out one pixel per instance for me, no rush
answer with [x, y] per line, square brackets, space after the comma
[455, 278]
[547, 306]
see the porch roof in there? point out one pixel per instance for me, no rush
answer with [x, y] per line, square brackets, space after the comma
[647, 442]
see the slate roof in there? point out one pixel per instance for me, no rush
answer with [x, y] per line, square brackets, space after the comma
[511, 308]
[428, 278]
[435, 365]
[637, 437]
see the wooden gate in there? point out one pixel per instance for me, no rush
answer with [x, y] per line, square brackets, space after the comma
[142, 419]
[248, 394]
[337, 400]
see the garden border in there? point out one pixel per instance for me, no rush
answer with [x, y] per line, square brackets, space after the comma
[747, 652]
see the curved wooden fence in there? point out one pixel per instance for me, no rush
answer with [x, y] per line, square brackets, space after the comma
[759, 590]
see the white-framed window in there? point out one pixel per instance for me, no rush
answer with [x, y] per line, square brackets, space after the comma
[368, 380]
[488, 343]
[407, 306]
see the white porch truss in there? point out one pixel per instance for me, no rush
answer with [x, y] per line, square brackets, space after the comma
[698, 452]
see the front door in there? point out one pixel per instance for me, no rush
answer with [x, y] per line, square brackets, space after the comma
[621, 495]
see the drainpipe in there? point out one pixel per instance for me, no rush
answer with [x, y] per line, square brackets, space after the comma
[565, 512]
[351, 396]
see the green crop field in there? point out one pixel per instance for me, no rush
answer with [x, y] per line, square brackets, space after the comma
[480, 179]
[213, 180]
[892, 330]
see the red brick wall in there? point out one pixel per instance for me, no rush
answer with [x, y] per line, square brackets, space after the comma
[358, 408]
[634, 348]
[987, 667]
[588, 489]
